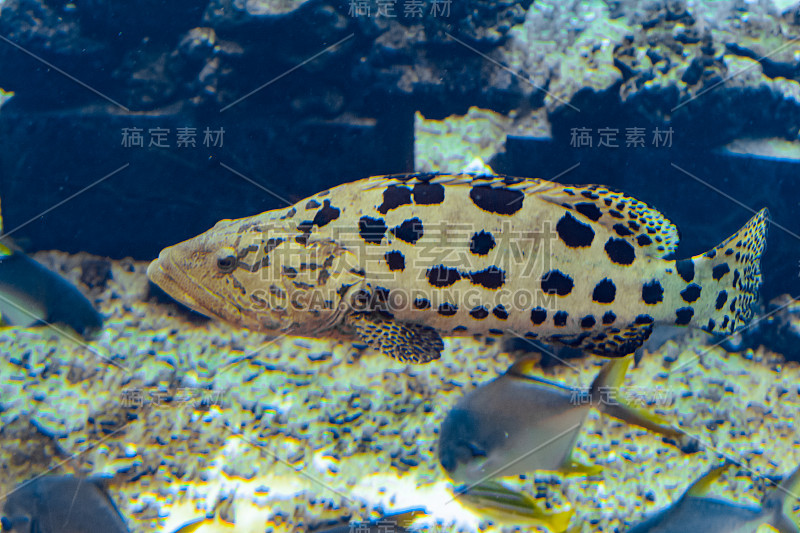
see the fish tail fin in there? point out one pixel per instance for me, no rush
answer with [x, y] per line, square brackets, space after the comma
[608, 393]
[725, 281]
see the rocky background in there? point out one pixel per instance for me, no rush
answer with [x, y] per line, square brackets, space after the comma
[315, 93]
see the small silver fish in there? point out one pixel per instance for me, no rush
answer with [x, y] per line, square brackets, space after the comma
[519, 423]
[61, 504]
[697, 512]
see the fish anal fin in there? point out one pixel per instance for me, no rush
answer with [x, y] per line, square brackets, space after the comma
[631, 219]
[407, 343]
[609, 342]
[510, 505]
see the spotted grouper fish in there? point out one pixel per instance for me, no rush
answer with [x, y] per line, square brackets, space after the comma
[397, 262]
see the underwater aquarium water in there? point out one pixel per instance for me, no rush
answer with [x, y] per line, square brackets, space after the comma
[337, 266]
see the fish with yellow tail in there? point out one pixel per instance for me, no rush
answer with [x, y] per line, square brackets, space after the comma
[397, 262]
[697, 511]
[519, 423]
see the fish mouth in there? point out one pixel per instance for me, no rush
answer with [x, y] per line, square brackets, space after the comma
[176, 282]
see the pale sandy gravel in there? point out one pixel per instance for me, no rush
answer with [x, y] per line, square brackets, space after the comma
[358, 432]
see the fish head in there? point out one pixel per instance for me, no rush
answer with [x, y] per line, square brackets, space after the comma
[509, 426]
[256, 275]
[464, 447]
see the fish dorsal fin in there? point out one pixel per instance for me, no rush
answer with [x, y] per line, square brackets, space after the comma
[528, 369]
[631, 219]
[701, 487]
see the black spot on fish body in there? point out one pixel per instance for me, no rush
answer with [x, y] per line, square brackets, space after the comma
[326, 215]
[479, 312]
[711, 254]
[538, 315]
[481, 243]
[609, 317]
[371, 229]
[312, 204]
[409, 231]
[622, 231]
[643, 319]
[442, 276]
[652, 292]
[396, 260]
[290, 213]
[557, 282]
[491, 278]
[614, 213]
[459, 328]
[393, 197]
[691, 293]
[560, 319]
[620, 251]
[422, 303]
[722, 297]
[590, 195]
[684, 315]
[428, 193]
[710, 326]
[500, 200]
[644, 240]
[447, 309]
[685, 269]
[604, 292]
[589, 210]
[720, 270]
[500, 312]
[725, 321]
[729, 252]
[573, 232]
[588, 321]
[736, 278]
[633, 225]
[496, 332]
[290, 272]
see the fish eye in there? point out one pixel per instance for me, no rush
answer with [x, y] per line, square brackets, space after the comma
[226, 260]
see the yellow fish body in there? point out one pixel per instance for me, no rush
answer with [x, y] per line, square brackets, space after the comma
[399, 261]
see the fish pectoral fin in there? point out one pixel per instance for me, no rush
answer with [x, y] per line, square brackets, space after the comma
[407, 343]
[631, 219]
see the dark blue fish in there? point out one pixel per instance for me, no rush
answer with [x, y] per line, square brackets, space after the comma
[697, 512]
[30, 294]
[61, 504]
